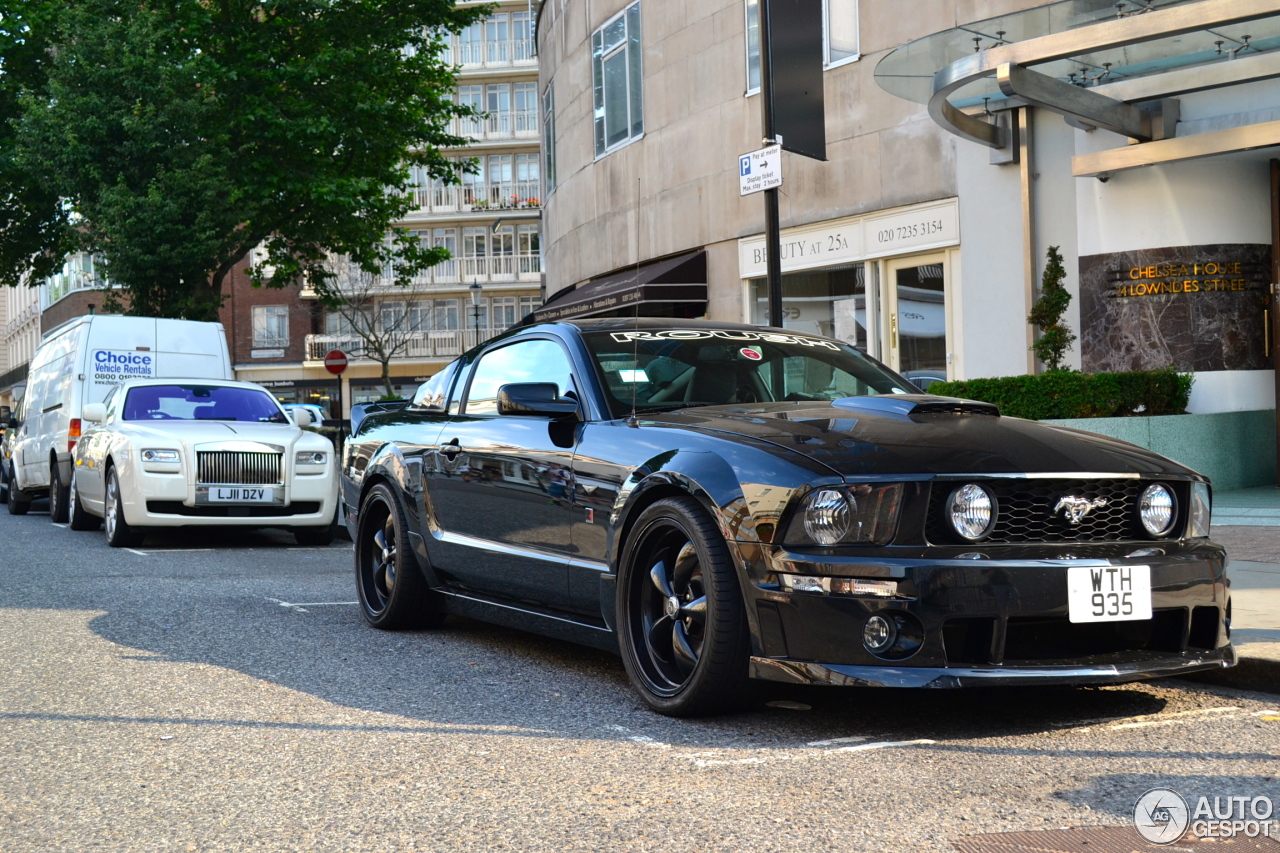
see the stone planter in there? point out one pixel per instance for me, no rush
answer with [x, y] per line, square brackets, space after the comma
[1235, 450]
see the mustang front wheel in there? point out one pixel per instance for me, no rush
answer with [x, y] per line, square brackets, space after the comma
[681, 623]
[393, 593]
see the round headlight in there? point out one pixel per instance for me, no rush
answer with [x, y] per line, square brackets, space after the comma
[1157, 509]
[972, 510]
[826, 516]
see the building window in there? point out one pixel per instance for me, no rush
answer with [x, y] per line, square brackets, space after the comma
[475, 253]
[549, 140]
[525, 115]
[616, 74]
[498, 100]
[529, 250]
[444, 315]
[471, 96]
[839, 36]
[270, 326]
[504, 312]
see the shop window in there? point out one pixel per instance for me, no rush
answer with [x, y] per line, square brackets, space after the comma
[830, 302]
[271, 326]
[616, 75]
[549, 140]
[839, 36]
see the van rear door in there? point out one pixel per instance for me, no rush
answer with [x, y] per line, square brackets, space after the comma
[191, 349]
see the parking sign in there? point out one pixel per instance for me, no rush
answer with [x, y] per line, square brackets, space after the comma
[760, 170]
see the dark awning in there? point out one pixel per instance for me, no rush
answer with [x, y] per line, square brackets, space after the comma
[680, 279]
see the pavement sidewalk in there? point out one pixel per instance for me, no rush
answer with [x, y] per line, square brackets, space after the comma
[1247, 524]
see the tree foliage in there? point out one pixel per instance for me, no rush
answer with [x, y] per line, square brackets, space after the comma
[1056, 336]
[172, 137]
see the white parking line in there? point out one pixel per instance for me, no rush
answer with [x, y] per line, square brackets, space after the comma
[836, 740]
[302, 608]
[171, 551]
[56, 524]
[885, 744]
[139, 553]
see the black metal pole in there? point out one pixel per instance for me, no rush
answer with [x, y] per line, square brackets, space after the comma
[772, 231]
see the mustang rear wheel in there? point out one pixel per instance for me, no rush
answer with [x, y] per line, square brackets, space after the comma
[682, 627]
[393, 593]
[78, 517]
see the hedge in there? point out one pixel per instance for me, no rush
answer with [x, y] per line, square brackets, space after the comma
[1066, 394]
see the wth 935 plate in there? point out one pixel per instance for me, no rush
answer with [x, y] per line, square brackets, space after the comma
[1108, 593]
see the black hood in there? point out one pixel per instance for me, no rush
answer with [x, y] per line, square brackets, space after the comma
[923, 435]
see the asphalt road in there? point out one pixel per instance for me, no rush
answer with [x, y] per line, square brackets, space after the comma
[218, 691]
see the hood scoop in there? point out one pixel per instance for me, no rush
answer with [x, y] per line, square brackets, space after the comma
[905, 405]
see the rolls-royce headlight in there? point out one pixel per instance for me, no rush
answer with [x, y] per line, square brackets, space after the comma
[1157, 509]
[1201, 511]
[310, 457]
[159, 456]
[972, 510]
[842, 515]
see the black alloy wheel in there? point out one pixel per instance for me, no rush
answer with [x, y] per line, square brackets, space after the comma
[58, 495]
[393, 593]
[16, 499]
[79, 518]
[682, 626]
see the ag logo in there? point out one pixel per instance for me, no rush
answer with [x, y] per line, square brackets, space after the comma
[1161, 816]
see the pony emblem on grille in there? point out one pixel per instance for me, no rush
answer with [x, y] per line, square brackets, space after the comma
[1075, 509]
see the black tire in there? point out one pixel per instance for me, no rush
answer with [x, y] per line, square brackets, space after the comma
[16, 499]
[4, 483]
[79, 518]
[119, 533]
[393, 593]
[681, 622]
[313, 537]
[59, 495]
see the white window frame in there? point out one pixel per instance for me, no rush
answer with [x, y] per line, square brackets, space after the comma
[600, 115]
[548, 142]
[827, 64]
[262, 316]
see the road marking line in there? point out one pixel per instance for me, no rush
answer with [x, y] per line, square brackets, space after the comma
[139, 553]
[56, 524]
[320, 603]
[295, 608]
[173, 551]
[885, 744]
[835, 740]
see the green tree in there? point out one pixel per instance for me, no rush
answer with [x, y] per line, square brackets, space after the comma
[174, 136]
[1056, 336]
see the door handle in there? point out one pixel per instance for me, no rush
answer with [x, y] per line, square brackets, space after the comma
[451, 448]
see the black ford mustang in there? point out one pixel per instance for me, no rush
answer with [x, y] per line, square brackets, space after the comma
[723, 502]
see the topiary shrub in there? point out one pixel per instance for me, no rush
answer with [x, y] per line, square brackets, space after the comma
[1056, 336]
[1065, 394]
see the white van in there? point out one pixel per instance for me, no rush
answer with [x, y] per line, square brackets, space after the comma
[78, 363]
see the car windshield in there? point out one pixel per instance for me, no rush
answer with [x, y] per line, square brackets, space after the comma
[201, 403]
[677, 368]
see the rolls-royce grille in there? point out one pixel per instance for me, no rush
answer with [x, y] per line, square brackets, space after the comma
[238, 467]
[1028, 511]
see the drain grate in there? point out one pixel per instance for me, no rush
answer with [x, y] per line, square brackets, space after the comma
[1103, 839]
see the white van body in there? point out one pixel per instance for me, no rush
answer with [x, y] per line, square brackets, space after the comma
[80, 361]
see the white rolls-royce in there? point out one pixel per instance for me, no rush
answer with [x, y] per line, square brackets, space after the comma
[200, 452]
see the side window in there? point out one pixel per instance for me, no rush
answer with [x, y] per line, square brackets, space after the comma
[110, 402]
[523, 361]
[432, 393]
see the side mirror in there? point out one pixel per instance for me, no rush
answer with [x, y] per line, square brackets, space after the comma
[95, 412]
[535, 398]
[301, 417]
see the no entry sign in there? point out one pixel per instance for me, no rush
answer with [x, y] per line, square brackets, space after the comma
[335, 362]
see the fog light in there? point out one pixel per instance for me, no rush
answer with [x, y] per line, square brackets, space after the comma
[878, 634]
[1156, 508]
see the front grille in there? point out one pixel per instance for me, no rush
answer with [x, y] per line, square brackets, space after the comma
[1025, 511]
[1049, 639]
[236, 467]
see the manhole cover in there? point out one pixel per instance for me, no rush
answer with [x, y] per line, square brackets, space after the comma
[1103, 839]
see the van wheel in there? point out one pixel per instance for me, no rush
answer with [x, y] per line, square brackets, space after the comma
[17, 499]
[59, 495]
[78, 517]
[119, 533]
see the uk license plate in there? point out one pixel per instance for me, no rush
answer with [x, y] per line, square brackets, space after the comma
[236, 494]
[1109, 593]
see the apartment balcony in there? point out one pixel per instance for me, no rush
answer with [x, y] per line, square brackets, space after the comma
[449, 344]
[474, 198]
[455, 273]
[498, 127]
[497, 55]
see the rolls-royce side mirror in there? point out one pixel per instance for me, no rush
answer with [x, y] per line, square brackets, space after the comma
[95, 412]
[535, 399]
[302, 418]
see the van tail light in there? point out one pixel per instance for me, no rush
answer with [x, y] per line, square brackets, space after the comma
[72, 434]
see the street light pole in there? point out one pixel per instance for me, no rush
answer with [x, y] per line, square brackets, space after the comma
[476, 290]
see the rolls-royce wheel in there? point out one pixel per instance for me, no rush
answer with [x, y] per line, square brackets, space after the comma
[119, 533]
[78, 517]
[393, 593]
[16, 499]
[682, 627]
[59, 495]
